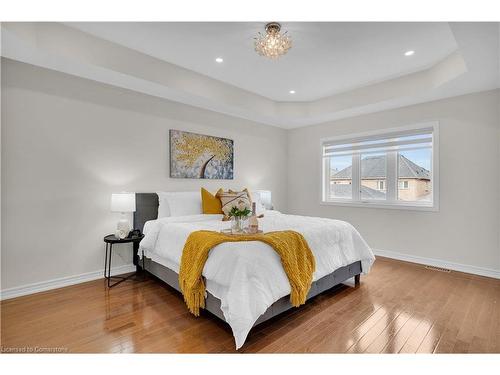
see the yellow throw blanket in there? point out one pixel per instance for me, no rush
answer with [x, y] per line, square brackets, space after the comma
[296, 257]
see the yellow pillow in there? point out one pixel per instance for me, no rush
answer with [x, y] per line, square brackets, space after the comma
[210, 203]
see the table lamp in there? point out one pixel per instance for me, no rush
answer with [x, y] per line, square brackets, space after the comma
[123, 202]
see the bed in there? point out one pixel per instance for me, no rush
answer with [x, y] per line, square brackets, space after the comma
[245, 282]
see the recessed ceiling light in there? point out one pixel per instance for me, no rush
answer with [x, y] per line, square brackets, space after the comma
[409, 53]
[219, 59]
[292, 91]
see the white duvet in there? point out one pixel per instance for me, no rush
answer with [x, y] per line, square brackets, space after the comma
[247, 276]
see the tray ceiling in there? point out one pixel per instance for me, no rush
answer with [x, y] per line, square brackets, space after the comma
[337, 70]
[326, 58]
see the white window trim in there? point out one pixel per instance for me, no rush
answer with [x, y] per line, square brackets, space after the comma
[391, 190]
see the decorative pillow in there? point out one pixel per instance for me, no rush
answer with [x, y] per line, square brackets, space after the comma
[179, 203]
[210, 203]
[254, 198]
[230, 199]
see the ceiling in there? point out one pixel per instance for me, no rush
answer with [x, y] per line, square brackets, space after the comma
[337, 70]
[326, 58]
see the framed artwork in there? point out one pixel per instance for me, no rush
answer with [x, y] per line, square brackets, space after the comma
[200, 156]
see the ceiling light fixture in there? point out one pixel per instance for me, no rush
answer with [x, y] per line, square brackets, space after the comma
[273, 44]
[292, 91]
[219, 59]
[409, 53]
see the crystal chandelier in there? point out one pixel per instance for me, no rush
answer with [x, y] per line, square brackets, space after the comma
[273, 44]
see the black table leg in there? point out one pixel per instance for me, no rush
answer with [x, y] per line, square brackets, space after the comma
[106, 260]
[135, 257]
[109, 264]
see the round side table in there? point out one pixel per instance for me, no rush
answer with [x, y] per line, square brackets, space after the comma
[111, 240]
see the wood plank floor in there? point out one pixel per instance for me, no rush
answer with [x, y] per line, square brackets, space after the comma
[398, 308]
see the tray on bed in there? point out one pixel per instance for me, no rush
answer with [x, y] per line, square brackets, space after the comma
[229, 232]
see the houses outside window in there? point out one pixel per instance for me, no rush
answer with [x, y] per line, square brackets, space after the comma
[396, 168]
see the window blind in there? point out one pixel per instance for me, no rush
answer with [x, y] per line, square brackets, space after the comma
[389, 142]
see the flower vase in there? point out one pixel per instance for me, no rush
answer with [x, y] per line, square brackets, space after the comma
[238, 224]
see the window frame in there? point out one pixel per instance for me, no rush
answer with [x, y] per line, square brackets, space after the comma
[391, 176]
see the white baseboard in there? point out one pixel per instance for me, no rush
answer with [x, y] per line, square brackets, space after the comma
[488, 272]
[61, 282]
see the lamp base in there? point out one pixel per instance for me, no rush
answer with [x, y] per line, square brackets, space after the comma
[122, 228]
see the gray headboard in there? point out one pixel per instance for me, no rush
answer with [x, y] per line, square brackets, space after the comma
[146, 208]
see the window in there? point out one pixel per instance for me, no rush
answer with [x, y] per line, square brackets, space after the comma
[373, 167]
[417, 164]
[340, 183]
[403, 184]
[395, 168]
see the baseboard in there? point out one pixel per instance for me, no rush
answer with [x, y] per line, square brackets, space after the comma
[61, 282]
[488, 272]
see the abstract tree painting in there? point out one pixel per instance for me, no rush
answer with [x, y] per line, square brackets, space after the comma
[200, 156]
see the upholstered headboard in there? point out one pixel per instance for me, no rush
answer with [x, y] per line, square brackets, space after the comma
[146, 208]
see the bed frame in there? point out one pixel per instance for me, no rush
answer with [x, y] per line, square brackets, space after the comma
[147, 209]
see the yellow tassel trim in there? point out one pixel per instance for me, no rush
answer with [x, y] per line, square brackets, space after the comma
[296, 257]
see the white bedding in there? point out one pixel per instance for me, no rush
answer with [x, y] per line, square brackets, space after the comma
[247, 276]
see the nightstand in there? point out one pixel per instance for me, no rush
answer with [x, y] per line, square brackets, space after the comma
[111, 240]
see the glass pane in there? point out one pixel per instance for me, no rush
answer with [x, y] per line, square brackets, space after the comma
[414, 175]
[373, 176]
[341, 177]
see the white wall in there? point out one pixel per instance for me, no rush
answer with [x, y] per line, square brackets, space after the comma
[466, 228]
[68, 143]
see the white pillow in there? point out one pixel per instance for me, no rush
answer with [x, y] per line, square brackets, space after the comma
[163, 209]
[179, 203]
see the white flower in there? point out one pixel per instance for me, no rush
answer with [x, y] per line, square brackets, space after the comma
[241, 205]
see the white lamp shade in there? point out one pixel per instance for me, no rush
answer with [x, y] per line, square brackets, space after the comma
[123, 202]
[265, 198]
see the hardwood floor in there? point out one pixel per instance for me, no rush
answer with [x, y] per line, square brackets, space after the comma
[398, 308]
